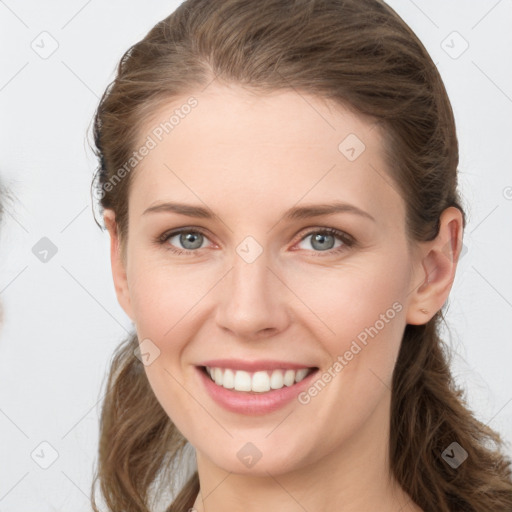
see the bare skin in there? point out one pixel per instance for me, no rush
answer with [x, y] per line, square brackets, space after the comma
[248, 159]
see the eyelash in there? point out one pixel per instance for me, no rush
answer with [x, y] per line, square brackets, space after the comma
[348, 240]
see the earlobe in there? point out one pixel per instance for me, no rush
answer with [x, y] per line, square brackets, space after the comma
[119, 274]
[436, 269]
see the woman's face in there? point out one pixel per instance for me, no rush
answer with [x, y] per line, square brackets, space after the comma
[253, 283]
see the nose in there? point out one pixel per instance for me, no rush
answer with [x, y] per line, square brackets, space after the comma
[254, 300]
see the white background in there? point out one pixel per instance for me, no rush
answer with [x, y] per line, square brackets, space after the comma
[62, 320]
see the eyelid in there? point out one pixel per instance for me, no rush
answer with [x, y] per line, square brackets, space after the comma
[343, 235]
[348, 241]
[164, 238]
[187, 229]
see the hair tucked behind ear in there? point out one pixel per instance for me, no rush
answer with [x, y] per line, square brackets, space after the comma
[360, 54]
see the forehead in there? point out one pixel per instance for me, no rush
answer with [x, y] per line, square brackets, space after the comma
[238, 150]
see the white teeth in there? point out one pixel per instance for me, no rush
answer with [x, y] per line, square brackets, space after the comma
[242, 381]
[289, 377]
[228, 379]
[300, 374]
[258, 382]
[276, 380]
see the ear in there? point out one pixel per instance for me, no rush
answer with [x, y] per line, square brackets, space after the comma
[435, 268]
[118, 264]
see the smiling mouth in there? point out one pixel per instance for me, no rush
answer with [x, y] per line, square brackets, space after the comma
[256, 382]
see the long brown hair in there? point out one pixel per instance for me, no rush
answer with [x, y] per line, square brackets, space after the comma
[359, 53]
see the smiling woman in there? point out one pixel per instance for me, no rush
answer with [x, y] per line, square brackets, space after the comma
[284, 246]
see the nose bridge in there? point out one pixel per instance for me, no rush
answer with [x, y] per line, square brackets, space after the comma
[251, 301]
[250, 275]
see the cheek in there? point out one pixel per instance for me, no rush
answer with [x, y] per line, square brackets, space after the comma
[362, 321]
[163, 300]
[359, 318]
[348, 298]
[163, 296]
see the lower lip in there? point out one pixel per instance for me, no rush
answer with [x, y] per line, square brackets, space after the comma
[253, 403]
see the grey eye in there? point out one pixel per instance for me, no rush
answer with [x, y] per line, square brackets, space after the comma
[189, 240]
[321, 241]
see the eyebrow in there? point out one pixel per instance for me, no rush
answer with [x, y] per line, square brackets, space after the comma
[295, 213]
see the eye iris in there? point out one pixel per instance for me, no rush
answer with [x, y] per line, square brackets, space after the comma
[192, 237]
[320, 237]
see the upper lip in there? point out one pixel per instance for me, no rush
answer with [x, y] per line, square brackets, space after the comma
[253, 366]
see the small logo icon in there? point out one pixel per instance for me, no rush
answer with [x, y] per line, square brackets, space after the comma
[454, 45]
[44, 250]
[249, 249]
[351, 147]
[44, 455]
[455, 455]
[45, 45]
[146, 352]
[249, 455]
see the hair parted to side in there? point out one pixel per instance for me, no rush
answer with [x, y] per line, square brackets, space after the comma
[361, 54]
